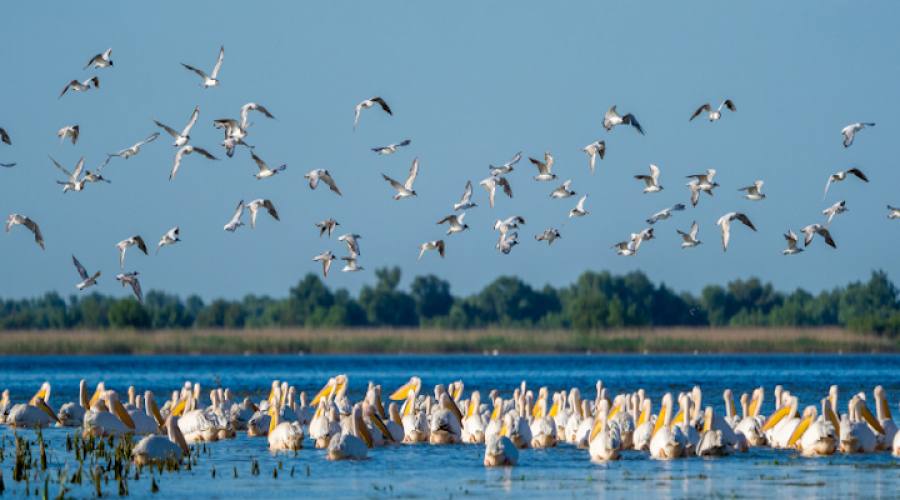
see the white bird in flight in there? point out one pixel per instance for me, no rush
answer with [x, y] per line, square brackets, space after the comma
[754, 191]
[791, 238]
[368, 103]
[849, 132]
[235, 221]
[87, 280]
[465, 202]
[391, 148]
[254, 206]
[701, 182]
[69, 132]
[813, 229]
[171, 237]
[187, 150]
[651, 182]
[840, 176]
[76, 86]
[665, 213]
[101, 60]
[212, 79]
[690, 237]
[579, 210]
[549, 235]
[181, 138]
[506, 167]
[714, 114]
[503, 226]
[74, 181]
[507, 241]
[351, 265]
[612, 118]
[4, 137]
[836, 209]
[405, 190]
[724, 224]
[545, 168]
[893, 212]
[253, 106]
[563, 191]
[21, 220]
[593, 151]
[352, 242]
[131, 279]
[432, 245]
[491, 183]
[264, 170]
[320, 174]
[327, 226]
[134, 149]
[456, 224]
[326, 259]
[125, 244]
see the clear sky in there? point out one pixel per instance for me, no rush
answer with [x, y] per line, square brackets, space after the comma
[470, 83]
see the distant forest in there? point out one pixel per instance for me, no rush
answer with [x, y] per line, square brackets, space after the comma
[596, 301]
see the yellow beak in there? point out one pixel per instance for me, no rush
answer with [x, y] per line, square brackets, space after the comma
[776, 417]
[179, 407]
[660, 420]
[870, 419]
[324, 393]
[800, 430]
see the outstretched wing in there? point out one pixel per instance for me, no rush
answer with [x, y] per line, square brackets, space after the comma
[190, 124]
[745, 220]
[394, 184]
[196, 70]
[218, 66]
[81, 270]
[413, 173]
[706, 107]
[857, 172]
[169, 130]
[384, 105]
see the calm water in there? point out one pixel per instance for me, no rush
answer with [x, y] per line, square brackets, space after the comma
[425, 471]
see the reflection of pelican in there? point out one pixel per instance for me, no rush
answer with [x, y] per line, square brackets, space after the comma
[498, 449]
[155, 449]
[354, 442]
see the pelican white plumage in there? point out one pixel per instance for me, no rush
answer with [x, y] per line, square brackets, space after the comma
[156, 449]
[320, 174]
[71, 414]
[690, 237]
[254, 207]
[264, 170]
[499, 450]
[579, 210]
[816, 435]
[724, 224]
[134, 149]
[26, 222]
[438, 245]
[663, 445]
[549, 235]
[545, 168]
[446, 422]
[101, 60]
[326, 259]
[841, 175]
[455, 223]
[563, 191]
[131, 279]
[465, 202]
[836, 209]
[354, 441]
[283, 435]
[69, 132]
[472, 422]
[108, 419]
[754, 191]
[187, 150]
[170, 238]
[792, 239]
[127, 243]
[181, 138]
[235, 221]
[594, 150]
[491, 183]
[83, 86]
[651, 182]
[665, 213]
[391, 148]
[712, 442]
[856, 436]
[714, 114]
[34, 414]
[849, 132]
[813, 229]
[368, 103]
[604, 440]
[884, 417]
[211, 79]
[74, 180]
[87, 280]
[506, 167]
[612, 118]
[405, 190]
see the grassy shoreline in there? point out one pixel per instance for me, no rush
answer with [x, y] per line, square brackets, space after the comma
[391, 341]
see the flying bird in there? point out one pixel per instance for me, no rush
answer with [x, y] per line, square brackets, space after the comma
[264, 170]
[791, 238]
[579, 210]
[171, 237]
[456, 224]
[76, 86]
[893, 212]
[352, 242]
[836, 209]
[491, 183]
[351, 265]
[503, 226]
[87, 280]
[134, 149]
[563, 191]
[813, 229]
[431, 245]
[21, 220]
[724, 224]
[127, 243]
[94, 177]
[235, 221]
[4, 137]
[181, 138]
[314, 176]
[325, 258]
[131, 279]
[212, 79]
[840, 176]
[613, 118]
[69, 132]
[101, 60]
[506, 242]
[253, 106]
[405, 190]
[327, 226]
[690, 237]
[506, 167]
[714, 114]
[234, 134]
[593, 151]
[651, 181]
[368, 103]
[187, 150]
[74, 181]
[544, 167]
[754, 191]
[665, 213]
[465, 202]
[549, 235]
[849, 132]
[254, 207]
[391, 148]
[696, 187]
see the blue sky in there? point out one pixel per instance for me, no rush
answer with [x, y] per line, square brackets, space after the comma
[470, 83]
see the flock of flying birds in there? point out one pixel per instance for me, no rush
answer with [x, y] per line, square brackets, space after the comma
[236, 131]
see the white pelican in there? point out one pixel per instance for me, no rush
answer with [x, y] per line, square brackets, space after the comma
[849, 132]
[101, 60]
[612, 118]
[728, 424]
[780, 426]
[368, 103]
[283, 435]
[35, 414]
[604, 441]
[663, 445]
[394, 423]
[724, 224]
[714, 114]
[841, 175]
[855, 434]
[405, 190]
[156, 449]
[543, 428]
[5, 405]
[146, 416]
[446, 422]
[545, 168]
[883, 413]
[472, 424]
[682, 429]
[212, 79]
[712, 442]
[816, 436]
[644, 427]
[651, 182]
[324, 424]
[499, 450]
[181, 138]
[107, 417]
[354, 442]
[72, 414]
[194, 422]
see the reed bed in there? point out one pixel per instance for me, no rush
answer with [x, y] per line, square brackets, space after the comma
[392, 341]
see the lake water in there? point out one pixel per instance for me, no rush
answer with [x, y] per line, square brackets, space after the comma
[456, 471]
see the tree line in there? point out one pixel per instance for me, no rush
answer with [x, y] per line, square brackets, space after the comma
[596, 301]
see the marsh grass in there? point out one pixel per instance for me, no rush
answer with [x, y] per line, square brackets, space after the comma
[388, 341]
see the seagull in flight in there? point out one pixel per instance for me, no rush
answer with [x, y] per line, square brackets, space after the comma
[849, 132]
[840, 176]
[701, 182]
[405, 190]
[391, 148]
[314, 176]
[563, 191]
[544, 167]
[351, 265]
[724, 224]
[253, 106]
[491, 183]
[791, 238]
[234, 134]
[456, 224]
[21, 220]
[432, 245]
[184, 151]
[714, 114]
[690, 237]
[134, 149]
[101, 60]
[69, 132]
[368, 103]
[651, 181]
[352, 242]
[181, 138]
[4, 137]
[325, 258]
[665, 213]
[327, 226]
[893, 212]
[76, 86]
[630, 247]
[130, 242]
[170, 238]
[212, 79]
[254, 207]
[509, 223]
[87, 281]
[74, 182]
[264, 170]
[613, 118]
[506, 242]
[506, 167]
[131, 279]
[593, 151]
[235, 221]
[836, 209]
[754, 191]
[465, 202]
[579, 210]
[813, 229]
[549, 235]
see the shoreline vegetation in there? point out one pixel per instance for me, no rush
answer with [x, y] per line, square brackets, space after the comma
[441, 341]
